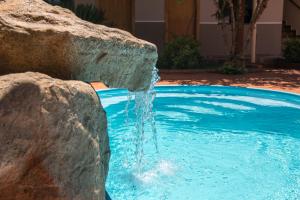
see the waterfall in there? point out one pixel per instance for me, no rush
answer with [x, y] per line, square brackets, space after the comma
[144, 115]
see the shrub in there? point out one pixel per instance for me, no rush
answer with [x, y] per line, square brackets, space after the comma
[86, 12]
[69, 4]
[180, 53]
[90, 13]
[231, 68]
[291, 51]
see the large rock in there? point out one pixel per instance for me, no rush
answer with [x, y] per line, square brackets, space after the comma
[36, 36]
[53, 139]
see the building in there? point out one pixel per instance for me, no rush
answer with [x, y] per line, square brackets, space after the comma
[158, 20]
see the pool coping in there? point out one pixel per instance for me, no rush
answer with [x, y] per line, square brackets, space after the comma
[176, 85]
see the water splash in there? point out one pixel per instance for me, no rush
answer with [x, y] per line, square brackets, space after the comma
[144, 116]
[162, 169]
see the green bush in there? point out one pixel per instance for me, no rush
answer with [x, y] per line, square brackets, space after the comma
[180, 53]
[291, 51]
[86, 12]
[69, 4]
[90, 13]
[232, 69]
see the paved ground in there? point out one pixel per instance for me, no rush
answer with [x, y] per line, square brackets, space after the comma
[277, 79]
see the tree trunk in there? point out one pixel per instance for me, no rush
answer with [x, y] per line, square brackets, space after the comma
[238, 53]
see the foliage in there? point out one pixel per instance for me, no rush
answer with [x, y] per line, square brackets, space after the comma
[236, 12]
[230, 68]
[291, 51]
[86, 12]
[90, 13]
[180, 53]
[69, 4]
[223, 10]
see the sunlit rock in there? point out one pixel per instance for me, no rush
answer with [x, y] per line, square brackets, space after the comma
[53, 139]
[36, 36]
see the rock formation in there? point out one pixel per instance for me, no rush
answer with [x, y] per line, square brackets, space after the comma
[53, 139]
[36, 36]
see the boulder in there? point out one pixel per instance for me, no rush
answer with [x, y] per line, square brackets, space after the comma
[39, 37]
[53, 139]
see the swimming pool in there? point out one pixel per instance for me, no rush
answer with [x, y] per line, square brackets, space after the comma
[214, 143]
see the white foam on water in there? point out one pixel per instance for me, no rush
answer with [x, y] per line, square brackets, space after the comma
[163, 168]
[166, 168]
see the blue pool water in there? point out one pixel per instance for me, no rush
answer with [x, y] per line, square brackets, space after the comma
[214, 143]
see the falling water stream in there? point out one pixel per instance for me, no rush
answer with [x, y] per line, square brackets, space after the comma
[144, 116]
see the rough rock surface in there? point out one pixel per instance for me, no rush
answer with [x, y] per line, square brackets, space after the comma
[36, 36]
[53, 139]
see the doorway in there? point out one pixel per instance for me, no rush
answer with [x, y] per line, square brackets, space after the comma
[119, 13]
[181, 18]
